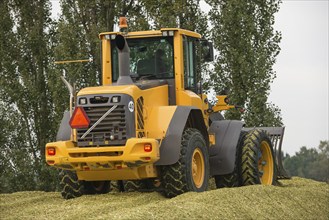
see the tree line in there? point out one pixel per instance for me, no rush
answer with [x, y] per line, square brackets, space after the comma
[33, 98]
[312, 163]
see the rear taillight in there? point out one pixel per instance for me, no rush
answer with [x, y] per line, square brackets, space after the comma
[79, 118]
[147, 147]
[51, 151]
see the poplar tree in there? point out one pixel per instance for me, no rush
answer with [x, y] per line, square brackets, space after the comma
[25, 104]
[185, 14]
[247, 45]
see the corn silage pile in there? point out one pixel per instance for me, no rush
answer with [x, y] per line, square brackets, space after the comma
[294, 199]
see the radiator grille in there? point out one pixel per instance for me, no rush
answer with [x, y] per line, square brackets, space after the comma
[114, 125]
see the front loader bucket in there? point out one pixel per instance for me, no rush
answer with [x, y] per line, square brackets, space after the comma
[276, 136]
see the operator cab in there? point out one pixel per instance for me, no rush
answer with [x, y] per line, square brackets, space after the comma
[150, 58]
[169, 56]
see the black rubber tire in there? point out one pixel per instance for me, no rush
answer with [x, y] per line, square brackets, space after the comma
[228, 180]
[178, 178]
[232, 179]
[70, 186]
[133, 185]
[96, 187]
[249, 158]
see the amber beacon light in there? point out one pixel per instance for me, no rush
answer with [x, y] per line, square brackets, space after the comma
[123, 22]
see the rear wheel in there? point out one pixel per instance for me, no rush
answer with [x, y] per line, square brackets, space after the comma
[257, 159]
[228, 180]
[191, 171]
[70, 185]
[133, 185]
[231, 180]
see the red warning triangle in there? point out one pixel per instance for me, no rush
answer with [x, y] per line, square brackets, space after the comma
[79, 118]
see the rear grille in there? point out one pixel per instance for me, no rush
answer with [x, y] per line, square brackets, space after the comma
[114, 125]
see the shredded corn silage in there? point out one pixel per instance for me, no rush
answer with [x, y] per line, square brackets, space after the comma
[295, 199]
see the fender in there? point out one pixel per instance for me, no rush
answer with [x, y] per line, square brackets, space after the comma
[64, 131]
[170, 145]
[222, 155]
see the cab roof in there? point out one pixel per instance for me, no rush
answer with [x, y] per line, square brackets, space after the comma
[153, 33]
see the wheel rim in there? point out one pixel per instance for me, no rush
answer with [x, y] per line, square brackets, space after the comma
[265, 164]
[198, 168]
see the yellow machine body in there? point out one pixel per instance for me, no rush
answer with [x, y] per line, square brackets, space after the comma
[131, 160]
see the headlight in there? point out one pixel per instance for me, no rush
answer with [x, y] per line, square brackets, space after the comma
[83, 101]
[115, 99]
[165, 33]
[168, 33]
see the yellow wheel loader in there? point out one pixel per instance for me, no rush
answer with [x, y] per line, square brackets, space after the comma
[150, 126]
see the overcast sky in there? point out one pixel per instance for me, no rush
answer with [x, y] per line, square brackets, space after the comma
[301, 87]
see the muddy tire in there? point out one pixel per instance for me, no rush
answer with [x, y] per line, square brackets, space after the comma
[257, 164]
[191, 171]
[96, 187]
[70, 186]
[232, 179]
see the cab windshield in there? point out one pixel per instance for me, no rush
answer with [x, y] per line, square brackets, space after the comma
[150, 58]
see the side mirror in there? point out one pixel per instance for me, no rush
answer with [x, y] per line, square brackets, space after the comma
[207, 50]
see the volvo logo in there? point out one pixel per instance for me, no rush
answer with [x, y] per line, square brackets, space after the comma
[131, 106]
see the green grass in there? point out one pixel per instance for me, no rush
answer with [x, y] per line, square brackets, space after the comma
[295, 199]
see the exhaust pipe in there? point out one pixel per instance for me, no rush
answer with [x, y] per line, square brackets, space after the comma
[124, 61]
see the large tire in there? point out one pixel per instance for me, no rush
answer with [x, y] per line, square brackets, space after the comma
[227, 180]
[231, 180]
[257, 164]
[96, 187]
[70, 185]
[133, 185]
[191, 171]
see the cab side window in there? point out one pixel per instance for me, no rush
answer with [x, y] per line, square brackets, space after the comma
[191, 63]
